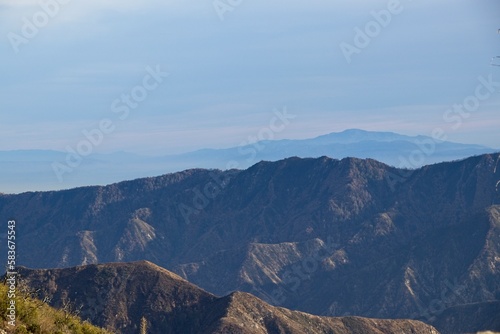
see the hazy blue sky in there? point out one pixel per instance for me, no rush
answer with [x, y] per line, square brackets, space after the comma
[226, 76]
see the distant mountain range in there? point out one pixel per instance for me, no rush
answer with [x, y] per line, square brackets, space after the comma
[36, 170]
[323, 236]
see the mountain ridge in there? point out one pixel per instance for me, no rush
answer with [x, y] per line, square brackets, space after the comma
[169, 304]
[317, 235]
[35, 169]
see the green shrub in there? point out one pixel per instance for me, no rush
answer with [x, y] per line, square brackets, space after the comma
[36, 317]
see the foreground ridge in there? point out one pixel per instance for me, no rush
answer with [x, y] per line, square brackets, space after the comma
[118, 295]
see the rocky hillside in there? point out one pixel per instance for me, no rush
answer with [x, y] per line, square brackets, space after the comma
[473, 316]
[324, 236]
[117, 296]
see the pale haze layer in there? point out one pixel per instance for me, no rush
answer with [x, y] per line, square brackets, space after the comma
[172, 77]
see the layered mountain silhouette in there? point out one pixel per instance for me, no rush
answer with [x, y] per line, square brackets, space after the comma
[323, 236]
[119, 295]
[50, 170]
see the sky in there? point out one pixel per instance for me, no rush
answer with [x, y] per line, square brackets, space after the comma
[164, 77]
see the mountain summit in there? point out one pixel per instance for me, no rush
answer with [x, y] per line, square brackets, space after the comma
[323, 236]
[51, 170]
[118, 295]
